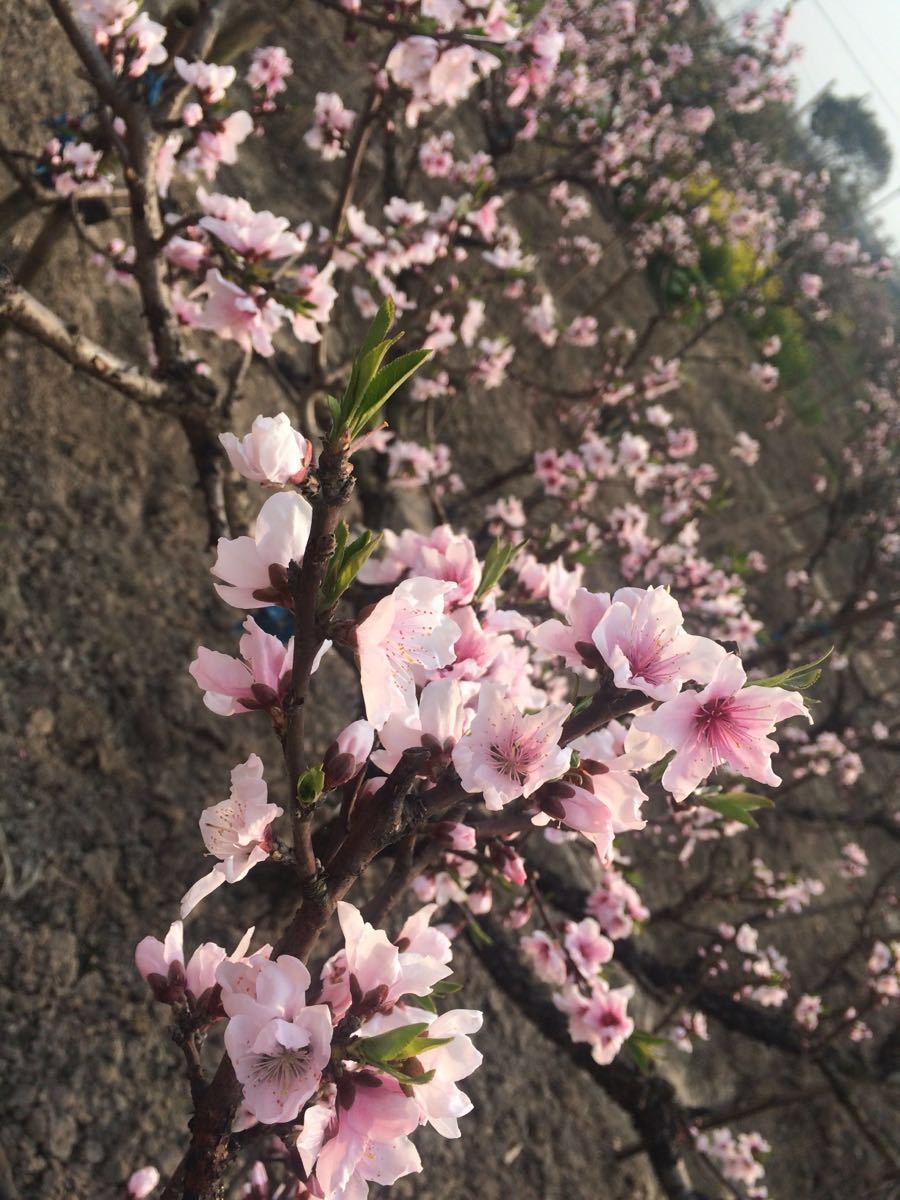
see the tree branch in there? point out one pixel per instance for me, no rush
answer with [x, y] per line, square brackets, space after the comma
[27, 313]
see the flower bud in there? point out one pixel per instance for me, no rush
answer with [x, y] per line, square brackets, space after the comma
[142, 1182]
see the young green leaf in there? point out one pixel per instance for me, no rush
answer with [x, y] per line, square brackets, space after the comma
[642, 1046]
[310, 786]
[385, 1047]
[425, 1002]
[383, 386]
[737, 806]
[496, 563]
[795, 678]
[446, 987]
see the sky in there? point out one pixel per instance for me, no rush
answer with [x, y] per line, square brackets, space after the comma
[855, 44]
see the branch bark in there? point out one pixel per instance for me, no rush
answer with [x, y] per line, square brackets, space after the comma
[27, 313]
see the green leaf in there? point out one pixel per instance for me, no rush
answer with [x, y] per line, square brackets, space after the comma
[476, 933]
[496, 564]
[795, 678]
[380, 327]
[357, 555]
[385, 1047]
[365, 368]
[421, 1044]
[446, 987]
[402, 1077]
[659, 769]
[642, 1046]
[383, 386]
[334, 408]
[425, 1002]
[310, 786]
[737, 806]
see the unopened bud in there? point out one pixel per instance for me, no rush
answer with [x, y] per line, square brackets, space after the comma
[339, 770]
[366, 1079]
[590, 655]
[346, 1091]
[592, 767]
[552, 806]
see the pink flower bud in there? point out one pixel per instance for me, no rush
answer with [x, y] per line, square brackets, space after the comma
[142, 1183]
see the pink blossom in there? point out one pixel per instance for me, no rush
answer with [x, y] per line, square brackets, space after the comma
[441, 554]
[378, 966]
[165, 162]
[441, 1103]
[332, 123]
[746, 449]
[546, 958]
[406, 632]
[506, 754]
[600, 1019]
[238, 316]
[220, 145]
[162, 965]
[318, 295]
[235, 831]
[574, 641]
[807, 1011]
[277, 1044]
[587, 946]
[610, 805]
[471, 322]
[244, 564]
[616, 905]
[725, 723]
[348, 754]
[509, 510]
[735, 1157]
[273, 452]
[145, 38]
[260, 678]
[269, 68]
[642, 639]
[439, 724]
[811, 285]
[254, 235]
[210, 80]
[766, 375]
[362, 1140]
[105, 18]
[682, 443]
[186, 253]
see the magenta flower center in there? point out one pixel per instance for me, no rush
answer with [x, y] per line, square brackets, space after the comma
[714, 720]
[516, 757]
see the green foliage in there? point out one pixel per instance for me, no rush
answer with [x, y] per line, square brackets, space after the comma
[796, 678]
[310, 786]
[737, 806]
[346, 563]
[643, 1048]
[372, 382]
[496, 563]
[391, 1052]
[852, 130]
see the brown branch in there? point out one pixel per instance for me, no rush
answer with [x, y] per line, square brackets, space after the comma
[607, 704]
[355, 156]
[27, 313]
[98, 69]
[335, 479]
